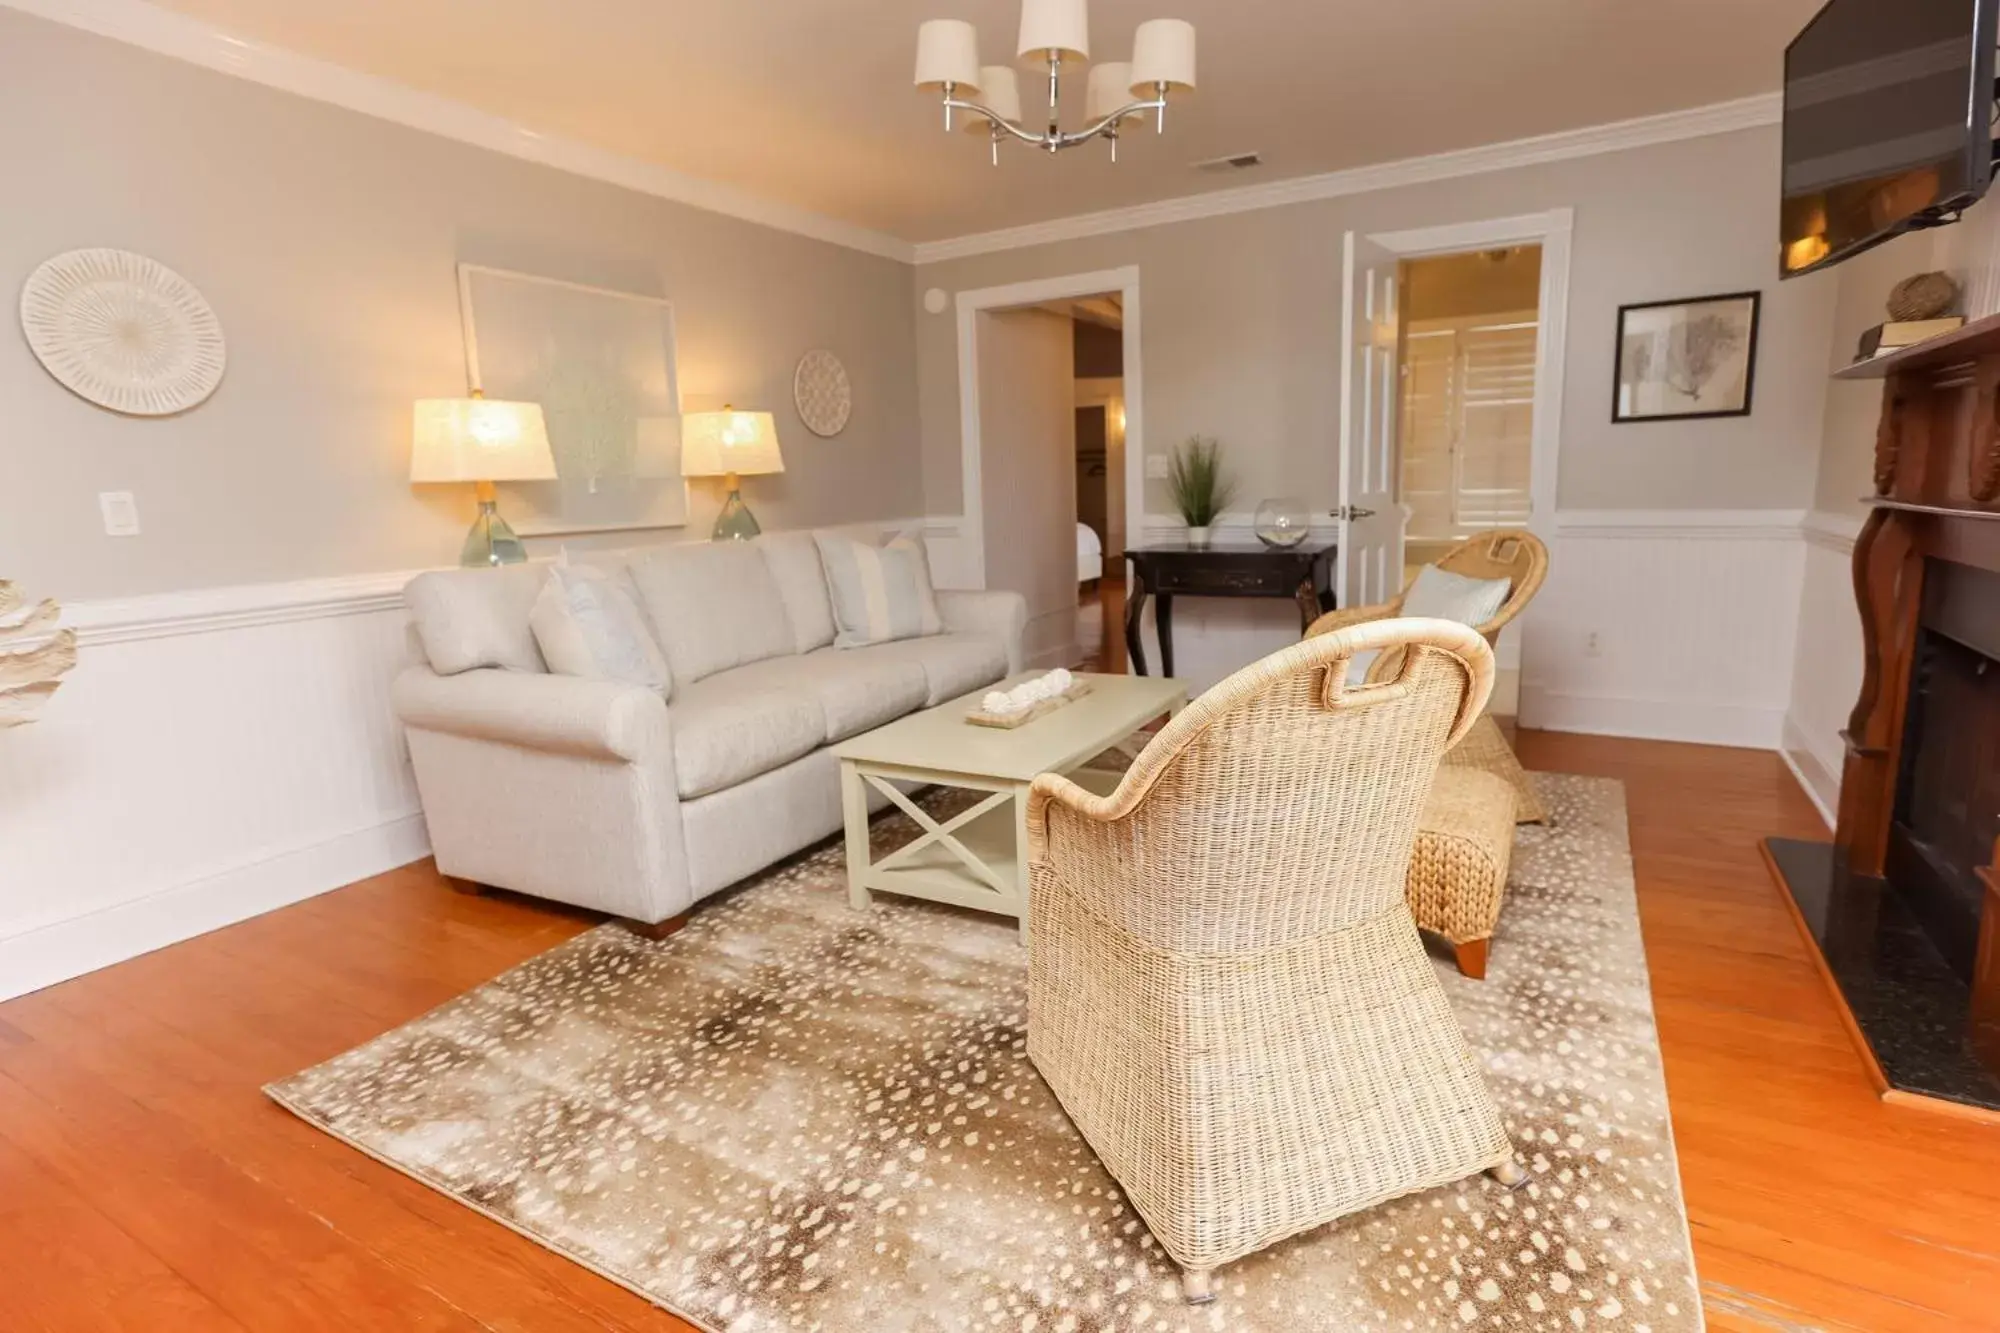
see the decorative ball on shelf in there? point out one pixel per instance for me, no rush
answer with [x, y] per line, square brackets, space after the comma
[1283, 522]
[1925, 296]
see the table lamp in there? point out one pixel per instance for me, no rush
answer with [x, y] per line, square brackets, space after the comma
[482, 440]
[731, 444]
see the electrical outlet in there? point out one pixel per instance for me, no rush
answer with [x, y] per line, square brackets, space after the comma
[121, 513]
[1591, 646]
[1158, 467]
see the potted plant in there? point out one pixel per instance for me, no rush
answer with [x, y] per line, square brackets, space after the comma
[1199, 487]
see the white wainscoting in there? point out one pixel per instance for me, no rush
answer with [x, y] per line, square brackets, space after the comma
[1827, 678]
[214, 755]
[1672, 625]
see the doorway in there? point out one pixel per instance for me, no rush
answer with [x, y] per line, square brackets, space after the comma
[1047, 387]
[1479, 313]
[1466, 425]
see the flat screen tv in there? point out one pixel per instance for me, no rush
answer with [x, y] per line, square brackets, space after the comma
[1888, 123]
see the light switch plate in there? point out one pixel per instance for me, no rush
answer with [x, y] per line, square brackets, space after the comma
[121, 513]
[1158, 466]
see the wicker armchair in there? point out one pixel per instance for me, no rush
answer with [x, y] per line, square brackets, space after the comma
[1504, 553]
[1226, 990]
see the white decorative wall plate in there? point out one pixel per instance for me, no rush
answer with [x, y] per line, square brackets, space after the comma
[123, 331]
[821, 390]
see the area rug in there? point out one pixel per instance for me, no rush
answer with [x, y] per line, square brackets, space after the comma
[797, 1116]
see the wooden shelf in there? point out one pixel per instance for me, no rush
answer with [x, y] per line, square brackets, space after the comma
[1979, 338]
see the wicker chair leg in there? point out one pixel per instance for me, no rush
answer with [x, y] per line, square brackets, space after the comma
[1198, 1285]
[1509, 1174]
[1472, 958]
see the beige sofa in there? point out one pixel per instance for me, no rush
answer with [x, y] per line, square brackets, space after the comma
[609, 796]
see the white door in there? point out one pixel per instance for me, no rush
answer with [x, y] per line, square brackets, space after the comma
[1370, 560]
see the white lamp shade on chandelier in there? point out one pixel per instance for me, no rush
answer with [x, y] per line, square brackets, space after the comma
[948, 55]
[1055, 38]
[729, 442]
[1061, 26]
[479, 439]
[1163, 52]
[1000, 90]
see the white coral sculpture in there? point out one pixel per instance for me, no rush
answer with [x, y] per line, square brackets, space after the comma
[34, 655]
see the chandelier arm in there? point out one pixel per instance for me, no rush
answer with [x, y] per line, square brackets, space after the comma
[1109, 124]
[993, 118]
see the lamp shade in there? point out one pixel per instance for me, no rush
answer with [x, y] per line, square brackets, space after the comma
[948, 52]
[479, 439]
[1062, 26]
[1000, 90]
[1163, 52]
[1110, 87]
[715, 444]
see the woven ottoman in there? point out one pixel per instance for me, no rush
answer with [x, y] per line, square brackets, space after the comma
[1458, 869]
[1484, 747]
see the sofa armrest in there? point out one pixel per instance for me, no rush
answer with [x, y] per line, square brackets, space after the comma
[998, 615]
[564, 714]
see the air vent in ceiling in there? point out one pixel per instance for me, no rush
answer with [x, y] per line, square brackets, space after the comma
[1233, 162]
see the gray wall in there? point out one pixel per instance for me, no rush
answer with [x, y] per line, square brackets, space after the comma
[326, 241]
[1027, 441]
[1241, 315]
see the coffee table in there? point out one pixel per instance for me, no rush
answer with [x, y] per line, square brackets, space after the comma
[978, 857]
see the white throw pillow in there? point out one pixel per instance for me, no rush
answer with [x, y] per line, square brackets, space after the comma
[587, 625]
[880, 593]
[1439, 594]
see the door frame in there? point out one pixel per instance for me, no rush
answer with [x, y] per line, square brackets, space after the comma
[1124, 281]
[1551, 231]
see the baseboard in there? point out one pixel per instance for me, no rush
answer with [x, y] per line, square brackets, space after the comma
[1686, 720]
[1822, 786]
[56, 951]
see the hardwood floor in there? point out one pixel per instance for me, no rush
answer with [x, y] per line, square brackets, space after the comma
[146, 1184]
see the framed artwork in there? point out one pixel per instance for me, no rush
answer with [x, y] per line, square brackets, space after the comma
[602, 365]
[1683, 360]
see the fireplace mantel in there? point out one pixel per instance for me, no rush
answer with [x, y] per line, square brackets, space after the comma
[1924, 1021]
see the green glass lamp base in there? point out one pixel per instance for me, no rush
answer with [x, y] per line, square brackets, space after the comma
[491, 541]
[735, 523]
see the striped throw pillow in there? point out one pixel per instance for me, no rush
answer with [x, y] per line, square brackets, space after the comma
[880, 593]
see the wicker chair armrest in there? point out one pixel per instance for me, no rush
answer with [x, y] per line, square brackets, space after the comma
[1354, 615]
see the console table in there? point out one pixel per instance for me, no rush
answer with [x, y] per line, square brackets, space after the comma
[1245, 568]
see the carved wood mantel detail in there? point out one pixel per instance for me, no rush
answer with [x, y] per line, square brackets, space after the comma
[1888, 441]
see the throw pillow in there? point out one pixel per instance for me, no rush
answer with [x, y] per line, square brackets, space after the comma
[1439, 594]
[588, 626]
[880, 593]
[1442, 595]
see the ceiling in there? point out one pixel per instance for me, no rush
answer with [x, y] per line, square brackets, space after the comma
[808, 102]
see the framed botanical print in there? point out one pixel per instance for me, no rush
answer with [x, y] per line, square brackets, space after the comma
[1684, 360]
[602, 365]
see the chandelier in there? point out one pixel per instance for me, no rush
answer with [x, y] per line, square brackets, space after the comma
[1055, 34]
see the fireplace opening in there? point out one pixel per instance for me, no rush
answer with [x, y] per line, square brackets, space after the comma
[1947, 811]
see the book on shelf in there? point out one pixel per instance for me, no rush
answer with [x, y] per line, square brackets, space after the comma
[1898, 334]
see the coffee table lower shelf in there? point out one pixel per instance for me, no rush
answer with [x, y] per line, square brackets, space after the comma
[974, 858]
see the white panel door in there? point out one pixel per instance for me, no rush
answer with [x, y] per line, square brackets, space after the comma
[1370, 561]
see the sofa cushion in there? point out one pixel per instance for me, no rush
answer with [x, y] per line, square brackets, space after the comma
[879, 593]
[953, 664]
[588, 625]
[794, 561]
[714, 605]
[862, 688]
[473, 618]
[736, 724]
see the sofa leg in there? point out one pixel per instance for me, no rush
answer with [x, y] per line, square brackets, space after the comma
[655, 930]
[470, 888]
[1198, 1285]
[1472, 958]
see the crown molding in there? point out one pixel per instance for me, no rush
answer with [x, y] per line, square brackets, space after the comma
[168, 33]
[1645, 131]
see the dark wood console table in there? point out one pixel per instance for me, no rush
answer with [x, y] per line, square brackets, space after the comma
[1241, 568]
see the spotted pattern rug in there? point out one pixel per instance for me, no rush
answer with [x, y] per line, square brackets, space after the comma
[795, 1116]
